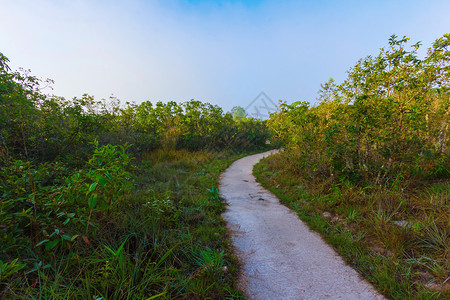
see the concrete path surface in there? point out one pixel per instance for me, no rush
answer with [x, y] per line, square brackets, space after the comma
[281, 258]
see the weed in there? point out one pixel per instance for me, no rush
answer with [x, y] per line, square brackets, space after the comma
[164, 239]
[213, 194]
[9, 269]
[210, 260]
[437, 239]
[353, 214]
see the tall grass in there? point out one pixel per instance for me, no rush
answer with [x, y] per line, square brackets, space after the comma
[166, 240]
[398, 240]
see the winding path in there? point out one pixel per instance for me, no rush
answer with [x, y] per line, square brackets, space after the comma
[281, 258]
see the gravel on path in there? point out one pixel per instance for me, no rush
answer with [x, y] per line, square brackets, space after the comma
[281, 257]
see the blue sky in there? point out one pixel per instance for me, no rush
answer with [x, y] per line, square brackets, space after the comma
[222, 52]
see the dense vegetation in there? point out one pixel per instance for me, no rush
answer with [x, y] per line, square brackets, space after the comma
[369, 167]
[104, 200]
[107, 201]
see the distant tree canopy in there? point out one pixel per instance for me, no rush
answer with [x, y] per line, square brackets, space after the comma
[35, 126]
[238, 112]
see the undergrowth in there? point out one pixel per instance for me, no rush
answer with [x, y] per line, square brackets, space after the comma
[163, 239]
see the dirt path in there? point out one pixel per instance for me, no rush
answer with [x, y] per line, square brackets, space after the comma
[281, 258]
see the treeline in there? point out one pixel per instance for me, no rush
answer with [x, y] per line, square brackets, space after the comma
[44, 128]
[387, 120]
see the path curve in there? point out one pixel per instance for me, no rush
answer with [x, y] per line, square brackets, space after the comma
[281, 258]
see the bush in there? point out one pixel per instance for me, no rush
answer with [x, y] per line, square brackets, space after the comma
[389, 116]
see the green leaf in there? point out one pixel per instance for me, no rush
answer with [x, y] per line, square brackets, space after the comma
[41, 242]
[102, 181]
[92, 201]
[50, 245]
[165, 256]
[66, 237]
[156, 296]
[55, 232]
[92, 187]
[110, 250]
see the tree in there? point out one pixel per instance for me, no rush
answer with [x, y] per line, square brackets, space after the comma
[238, 113]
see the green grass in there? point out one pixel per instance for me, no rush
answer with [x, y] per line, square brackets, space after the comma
[165, 241]
[398, 240]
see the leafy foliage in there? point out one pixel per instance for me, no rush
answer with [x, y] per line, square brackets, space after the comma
[77, 220]
[369, 167]
[389, 117]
